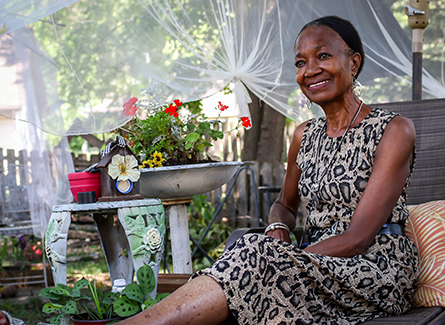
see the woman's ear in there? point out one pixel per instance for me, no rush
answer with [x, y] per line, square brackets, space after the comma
[356, 59]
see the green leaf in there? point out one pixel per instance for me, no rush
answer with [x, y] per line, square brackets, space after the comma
[51, 308]
[149, 302]
[82, 283]
[125, 307]
[54, 294]
[201, 147]
[188, 146]
[204, 125]
[60, 291]
[215, 134]
[134, 292]
[56, 319]
[146, 279]
[76, 294]
[192, 137]
[161, 296]
[110, 297]
[63, 287]
[70, 308]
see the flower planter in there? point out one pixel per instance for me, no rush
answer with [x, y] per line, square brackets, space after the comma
[184, 181]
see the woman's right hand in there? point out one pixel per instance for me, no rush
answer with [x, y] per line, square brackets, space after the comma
[281, 234]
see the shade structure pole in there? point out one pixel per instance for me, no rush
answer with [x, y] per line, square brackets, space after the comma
[418, 17]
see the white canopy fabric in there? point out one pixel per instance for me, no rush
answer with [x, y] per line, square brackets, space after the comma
[195, 48]
[15, 14]
[47, 161]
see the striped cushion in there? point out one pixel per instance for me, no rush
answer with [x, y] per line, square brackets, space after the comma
[426, 227]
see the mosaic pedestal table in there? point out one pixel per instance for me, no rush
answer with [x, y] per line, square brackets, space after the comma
[132, 239]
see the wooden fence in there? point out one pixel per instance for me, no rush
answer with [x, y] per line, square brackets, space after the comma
[14, 205]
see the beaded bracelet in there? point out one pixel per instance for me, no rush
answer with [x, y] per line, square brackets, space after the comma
[276, 225]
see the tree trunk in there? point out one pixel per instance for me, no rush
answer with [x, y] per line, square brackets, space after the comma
[264, 142]
[264, 145]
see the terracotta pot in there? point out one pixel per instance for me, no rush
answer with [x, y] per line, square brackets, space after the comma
[84, 182]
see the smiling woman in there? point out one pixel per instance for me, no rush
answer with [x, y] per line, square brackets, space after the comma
[350, 171]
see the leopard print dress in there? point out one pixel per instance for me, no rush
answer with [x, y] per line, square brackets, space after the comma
[268, 281]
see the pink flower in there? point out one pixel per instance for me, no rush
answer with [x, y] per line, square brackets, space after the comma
[130, 107]
[222, 107]
[172, 110]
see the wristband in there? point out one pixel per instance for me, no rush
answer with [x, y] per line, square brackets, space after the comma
[276, 225]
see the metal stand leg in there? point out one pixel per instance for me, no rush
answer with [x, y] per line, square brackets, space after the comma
[115, 246]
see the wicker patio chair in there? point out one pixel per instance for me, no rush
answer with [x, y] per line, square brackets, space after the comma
[427, 184]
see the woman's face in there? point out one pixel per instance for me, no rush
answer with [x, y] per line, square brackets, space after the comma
[325, 65]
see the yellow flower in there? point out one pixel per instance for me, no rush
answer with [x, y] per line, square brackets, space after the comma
[147, 164]
[157, 159]
[123, 168]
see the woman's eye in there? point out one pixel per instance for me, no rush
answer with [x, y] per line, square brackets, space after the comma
[324, 56]
[299, 64]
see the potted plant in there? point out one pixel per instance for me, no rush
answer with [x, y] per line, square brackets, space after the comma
[85, 303]
[174, 135]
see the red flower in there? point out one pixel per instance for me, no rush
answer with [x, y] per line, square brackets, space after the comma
[172, 110]
[222, 107]
[130, 107]
[131, 144]
[178, 103]
[246, 122]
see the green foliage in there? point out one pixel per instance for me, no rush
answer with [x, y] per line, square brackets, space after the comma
[200, 214]
[177, 139]
[135, 297]
[77, 301]
[85, 297]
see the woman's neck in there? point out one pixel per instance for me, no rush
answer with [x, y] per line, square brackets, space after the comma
[339, 117]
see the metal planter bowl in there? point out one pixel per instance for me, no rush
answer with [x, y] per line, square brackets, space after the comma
[184, 181]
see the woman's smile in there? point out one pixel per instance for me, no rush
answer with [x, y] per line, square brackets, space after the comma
[317, 85]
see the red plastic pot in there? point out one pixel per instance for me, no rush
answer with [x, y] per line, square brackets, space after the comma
[93, 322]
[84, 182]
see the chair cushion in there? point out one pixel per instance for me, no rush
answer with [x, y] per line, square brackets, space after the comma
[426, 227]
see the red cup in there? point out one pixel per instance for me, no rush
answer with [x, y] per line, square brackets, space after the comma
[84, 182]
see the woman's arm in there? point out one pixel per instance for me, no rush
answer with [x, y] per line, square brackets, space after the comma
[285, 207]
[390, 170]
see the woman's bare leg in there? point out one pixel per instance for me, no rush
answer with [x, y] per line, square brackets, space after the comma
[200, 301]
